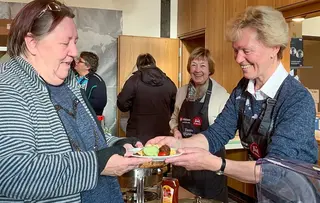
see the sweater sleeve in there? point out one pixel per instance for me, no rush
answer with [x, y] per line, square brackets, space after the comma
[294, 129]
[224, 127]
[27, 174]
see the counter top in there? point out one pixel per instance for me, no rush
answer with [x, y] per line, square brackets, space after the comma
[317, 134]
[234, 143]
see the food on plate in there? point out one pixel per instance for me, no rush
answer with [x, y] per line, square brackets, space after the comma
[151, 150]
[155, 150]
[164, 150]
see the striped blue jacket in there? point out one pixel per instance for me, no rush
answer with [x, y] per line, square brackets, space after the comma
[37, 163]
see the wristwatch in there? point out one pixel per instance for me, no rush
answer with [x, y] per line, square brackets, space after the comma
[223, 166]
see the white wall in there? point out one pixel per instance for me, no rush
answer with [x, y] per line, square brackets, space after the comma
[140, 17]
[310, 26]
[174, 19]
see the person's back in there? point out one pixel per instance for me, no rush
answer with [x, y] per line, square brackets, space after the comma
[149, 95]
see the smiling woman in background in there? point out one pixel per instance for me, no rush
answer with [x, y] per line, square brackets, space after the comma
[51, 147]
[197, 105]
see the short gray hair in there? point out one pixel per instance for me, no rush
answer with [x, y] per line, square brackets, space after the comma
[271, 26]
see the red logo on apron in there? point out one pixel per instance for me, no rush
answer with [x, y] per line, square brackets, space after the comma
[255, 151]
[197, 121]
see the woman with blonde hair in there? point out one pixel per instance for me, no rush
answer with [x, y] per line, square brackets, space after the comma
[273, 112]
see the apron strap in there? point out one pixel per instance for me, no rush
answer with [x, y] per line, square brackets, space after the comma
[204, 108]
[266, 116]
[267, 122]
[243, 84]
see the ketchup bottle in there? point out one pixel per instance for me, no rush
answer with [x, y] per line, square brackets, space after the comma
[169, 190]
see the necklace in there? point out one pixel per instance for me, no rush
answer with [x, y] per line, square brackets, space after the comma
[73, 114]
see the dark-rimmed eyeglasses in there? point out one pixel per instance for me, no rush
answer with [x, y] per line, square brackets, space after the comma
[52, 6]
[79, 60]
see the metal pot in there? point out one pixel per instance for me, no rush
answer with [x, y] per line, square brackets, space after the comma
[198, 200]
[152, 176]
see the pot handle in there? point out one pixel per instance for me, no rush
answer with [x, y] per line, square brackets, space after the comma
[140, 188]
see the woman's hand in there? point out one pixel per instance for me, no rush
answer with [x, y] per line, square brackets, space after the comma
[118, 165]
[165, 140]
[196, 159]
[128, 147]
[177, 134]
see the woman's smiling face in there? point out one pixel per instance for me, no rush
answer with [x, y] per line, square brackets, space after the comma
[199, 70]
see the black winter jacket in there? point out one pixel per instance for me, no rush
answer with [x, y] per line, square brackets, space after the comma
[96, 92]
[149, 95]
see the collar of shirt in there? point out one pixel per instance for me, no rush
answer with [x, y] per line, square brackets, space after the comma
[270, 88]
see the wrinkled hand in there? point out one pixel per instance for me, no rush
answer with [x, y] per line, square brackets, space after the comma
[168, 140]
[128, 147]
[177, 134]
[118, 165]
[196, 159]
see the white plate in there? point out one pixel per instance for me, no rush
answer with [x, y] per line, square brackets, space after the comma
[154, 158]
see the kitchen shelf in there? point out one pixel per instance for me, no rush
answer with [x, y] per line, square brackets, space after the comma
[299, 67]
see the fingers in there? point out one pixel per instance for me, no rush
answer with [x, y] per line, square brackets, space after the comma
[178, 136]
[138, 161]
[139, 145]
[128, 154]
[155, 140]
[189, 150]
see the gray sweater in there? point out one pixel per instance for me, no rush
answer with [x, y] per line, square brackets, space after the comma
[293, 136]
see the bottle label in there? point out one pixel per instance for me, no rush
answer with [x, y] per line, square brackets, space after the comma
[167, 194]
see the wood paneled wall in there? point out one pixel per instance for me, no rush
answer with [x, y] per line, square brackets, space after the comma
[228, 72]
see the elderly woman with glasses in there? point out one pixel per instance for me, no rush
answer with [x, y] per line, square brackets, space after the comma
[51, 146]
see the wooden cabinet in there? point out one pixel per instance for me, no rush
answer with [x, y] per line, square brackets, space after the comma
[261, 3]
[191, 16]
[4, 31]
[184, 16]
[4, 26]
[245, 188]
[285, 3]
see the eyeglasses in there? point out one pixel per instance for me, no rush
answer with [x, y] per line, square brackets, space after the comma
[78, 60]
[52, 6]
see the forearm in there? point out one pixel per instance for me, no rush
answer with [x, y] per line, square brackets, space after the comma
[244, 171]
[198, 140]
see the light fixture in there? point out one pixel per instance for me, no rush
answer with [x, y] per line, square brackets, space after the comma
[298, 19]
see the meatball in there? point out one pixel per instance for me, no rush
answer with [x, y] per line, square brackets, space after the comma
[165, 149]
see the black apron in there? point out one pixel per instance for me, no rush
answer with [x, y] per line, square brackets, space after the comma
[255, 134]
[193, 119]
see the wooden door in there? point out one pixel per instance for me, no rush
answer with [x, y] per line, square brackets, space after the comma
[164, 50]
[284, 3]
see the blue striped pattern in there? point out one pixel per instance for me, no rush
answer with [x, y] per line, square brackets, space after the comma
[36, 160]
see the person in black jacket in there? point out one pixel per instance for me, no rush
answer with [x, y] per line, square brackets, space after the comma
[149, 95]
[86, 67]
